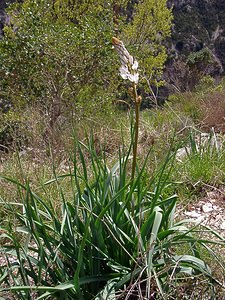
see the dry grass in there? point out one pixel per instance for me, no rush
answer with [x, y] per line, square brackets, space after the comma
[213, 112]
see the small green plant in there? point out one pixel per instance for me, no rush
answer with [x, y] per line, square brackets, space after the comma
[199, 57]
[204, 159]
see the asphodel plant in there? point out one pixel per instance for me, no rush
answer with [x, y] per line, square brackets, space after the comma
[129, 70]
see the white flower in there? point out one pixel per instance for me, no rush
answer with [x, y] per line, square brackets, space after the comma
[125, 74]
[129, 66]
[124, 71]
[135, 65]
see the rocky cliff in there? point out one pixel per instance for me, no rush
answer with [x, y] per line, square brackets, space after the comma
[198, 38]
[198, 24]
[3, 15]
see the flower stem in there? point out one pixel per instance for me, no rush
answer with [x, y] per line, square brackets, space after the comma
[137, 101]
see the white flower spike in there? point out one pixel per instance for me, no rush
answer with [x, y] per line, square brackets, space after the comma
[129, 66]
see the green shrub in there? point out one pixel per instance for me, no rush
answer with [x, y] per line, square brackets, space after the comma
[58, 55]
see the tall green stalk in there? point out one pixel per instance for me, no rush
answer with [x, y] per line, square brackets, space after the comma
[137, 102]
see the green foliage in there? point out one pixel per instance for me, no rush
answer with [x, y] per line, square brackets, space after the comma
[51, 59]
[207, 85]
[111, 234]
[150, 26]
[13, 131]
[204, 161]
[188, 103]
[199, 58]
[58, 54]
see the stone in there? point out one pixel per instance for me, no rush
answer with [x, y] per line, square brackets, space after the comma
[222, 226]
[207, 207]
[192, 214]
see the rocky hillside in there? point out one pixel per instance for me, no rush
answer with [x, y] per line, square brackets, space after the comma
[198, 24]
[197, 46]
[3, 16]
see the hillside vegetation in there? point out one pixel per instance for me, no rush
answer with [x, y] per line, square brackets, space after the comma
[100, 197]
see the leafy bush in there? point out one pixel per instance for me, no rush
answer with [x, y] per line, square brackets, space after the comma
[200, 57]
[59, 54]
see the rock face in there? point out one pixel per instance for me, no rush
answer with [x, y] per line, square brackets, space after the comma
[2, 16]
[198, 36]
